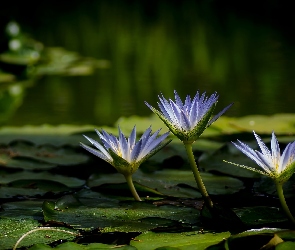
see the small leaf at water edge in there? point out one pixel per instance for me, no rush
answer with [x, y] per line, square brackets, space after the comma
[182, 241]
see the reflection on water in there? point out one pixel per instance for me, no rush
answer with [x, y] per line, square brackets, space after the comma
[157, 48]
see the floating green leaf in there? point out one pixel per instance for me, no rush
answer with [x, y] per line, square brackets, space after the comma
[182, 241]
[27, 175]
[29, 209]
[214, 162]
[177, 183]
[46, 153]
[60, 135]
[24, 163]
[257, 238]
[260, 215]
[123, 217]
[289, 245]
[75, 246]
[12, 229]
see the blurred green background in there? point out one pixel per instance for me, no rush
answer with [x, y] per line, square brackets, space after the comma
[130, 51]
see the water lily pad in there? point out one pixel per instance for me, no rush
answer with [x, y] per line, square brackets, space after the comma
[289, 245]
[48, 134]
[46, 153]
[183, 241]
[266, 185]
[31, 187]
[12, 229]
[19, 59]
[6, 77]
[261, 124]
[177, 183]
[214, 162]
[75, 246]
[29, 209]
[24, 163]
[257, 238]
[260, 215]
[58, 61]
[123, 217]
[7, 178]
[14, 192]
[176, 148]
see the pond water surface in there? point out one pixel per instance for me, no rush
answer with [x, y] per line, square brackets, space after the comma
[155, 47]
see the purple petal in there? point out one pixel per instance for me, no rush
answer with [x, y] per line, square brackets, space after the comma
[132, 138]
[275, 151]
[97, 145]
[288, 157]
[185, 123]
[123, 146]
[152, 145]
[219, 114]
[265, 151]
[96, 153]
[135, 151]
[178, 100]
[251, 154]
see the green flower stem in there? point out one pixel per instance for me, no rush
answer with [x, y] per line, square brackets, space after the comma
[285, 207]
[131, 187]
[198, 178]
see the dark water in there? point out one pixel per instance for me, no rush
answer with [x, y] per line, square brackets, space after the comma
[246, 54]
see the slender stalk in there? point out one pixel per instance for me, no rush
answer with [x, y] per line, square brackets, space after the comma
[198, 178]
[129, 181]
[285, 207]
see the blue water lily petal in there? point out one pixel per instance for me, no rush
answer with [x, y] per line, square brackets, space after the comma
[278, 167]
[188, 120]
[125, 154]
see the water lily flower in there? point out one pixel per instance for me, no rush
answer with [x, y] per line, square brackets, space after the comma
[274, 165]
[188, 120]
[278, 167]
[125, 154]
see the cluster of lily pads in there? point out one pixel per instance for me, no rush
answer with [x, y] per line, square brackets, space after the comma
[187, 121]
